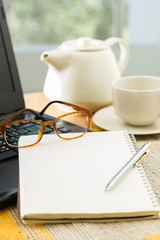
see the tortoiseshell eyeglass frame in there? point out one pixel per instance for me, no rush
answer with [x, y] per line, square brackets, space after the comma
[43, 121]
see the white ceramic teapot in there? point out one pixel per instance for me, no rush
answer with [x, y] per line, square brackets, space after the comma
[81, 71]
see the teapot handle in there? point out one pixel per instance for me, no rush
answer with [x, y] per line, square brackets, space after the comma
[124, 51]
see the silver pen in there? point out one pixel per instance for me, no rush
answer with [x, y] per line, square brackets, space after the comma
[133, 162]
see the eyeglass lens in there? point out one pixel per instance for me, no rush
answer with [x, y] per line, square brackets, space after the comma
[75, 118]
[14, 131]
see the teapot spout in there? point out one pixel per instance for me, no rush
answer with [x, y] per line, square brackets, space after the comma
[55, 58]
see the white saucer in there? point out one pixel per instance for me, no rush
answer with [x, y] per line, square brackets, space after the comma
[108, 120]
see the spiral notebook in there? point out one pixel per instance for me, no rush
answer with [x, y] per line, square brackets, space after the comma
[64, 181]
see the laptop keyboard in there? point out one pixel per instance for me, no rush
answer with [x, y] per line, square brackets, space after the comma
[6, 152]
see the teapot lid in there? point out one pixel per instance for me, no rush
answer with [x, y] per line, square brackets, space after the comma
[84, 44]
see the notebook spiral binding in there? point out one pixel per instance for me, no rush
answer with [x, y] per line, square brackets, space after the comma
[130, 138]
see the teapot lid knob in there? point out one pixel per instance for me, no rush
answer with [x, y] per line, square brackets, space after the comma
[84, 44]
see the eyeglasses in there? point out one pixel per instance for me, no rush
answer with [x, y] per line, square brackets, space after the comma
[12, 129]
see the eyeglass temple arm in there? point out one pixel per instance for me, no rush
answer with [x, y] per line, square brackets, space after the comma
[44, 109]
[38, 116]
[65, 103]
[9, 119]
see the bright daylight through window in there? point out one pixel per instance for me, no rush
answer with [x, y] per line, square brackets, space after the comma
[39, 22]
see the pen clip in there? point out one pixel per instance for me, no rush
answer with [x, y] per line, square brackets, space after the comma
[141, 159]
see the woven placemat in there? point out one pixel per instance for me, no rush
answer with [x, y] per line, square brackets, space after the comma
[11, 227]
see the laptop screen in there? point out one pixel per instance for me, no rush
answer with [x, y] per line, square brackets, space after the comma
[11, 95]
[7, 84]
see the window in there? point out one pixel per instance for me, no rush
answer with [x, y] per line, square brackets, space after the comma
[40, 24]
[54, 21]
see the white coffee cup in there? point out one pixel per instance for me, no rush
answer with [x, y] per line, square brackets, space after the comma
[136, 99]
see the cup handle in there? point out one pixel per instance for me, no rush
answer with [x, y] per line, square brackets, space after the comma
[124, 51]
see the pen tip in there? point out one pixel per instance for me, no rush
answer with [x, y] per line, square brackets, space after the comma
[107, 188]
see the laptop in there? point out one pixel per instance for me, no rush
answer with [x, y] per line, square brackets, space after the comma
[11, 100]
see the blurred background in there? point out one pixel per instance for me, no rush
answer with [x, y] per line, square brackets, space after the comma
[38, 25]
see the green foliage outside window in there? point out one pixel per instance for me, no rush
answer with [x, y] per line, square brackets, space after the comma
[54, 21]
